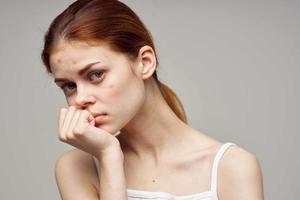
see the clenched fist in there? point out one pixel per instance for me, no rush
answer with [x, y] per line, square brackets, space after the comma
[77, 128]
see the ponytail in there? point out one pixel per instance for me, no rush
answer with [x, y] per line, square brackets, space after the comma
[172, 99]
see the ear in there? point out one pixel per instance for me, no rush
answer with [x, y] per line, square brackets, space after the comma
[147, 62]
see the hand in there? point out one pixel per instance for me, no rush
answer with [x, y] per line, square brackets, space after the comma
[77, 128]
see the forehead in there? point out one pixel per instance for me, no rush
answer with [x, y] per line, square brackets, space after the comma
[73, 56]
[66, 54]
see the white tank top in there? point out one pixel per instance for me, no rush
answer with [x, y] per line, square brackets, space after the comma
[207, 195]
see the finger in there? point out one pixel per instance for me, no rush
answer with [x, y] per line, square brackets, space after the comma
[91, 120]
[62, 116]
[61, 134]
[74, 121]
[68, 118]
[85, 119]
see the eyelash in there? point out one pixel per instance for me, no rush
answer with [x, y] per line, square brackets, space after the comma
[63, 87]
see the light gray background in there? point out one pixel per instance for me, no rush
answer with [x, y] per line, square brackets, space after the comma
[235, 65]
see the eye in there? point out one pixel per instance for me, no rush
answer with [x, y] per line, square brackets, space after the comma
[68, 86]
[96, 75]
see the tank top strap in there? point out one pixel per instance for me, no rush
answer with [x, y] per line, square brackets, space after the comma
[216, 161]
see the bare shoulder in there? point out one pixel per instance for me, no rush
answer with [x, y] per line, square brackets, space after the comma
[76, 175]
[239, 175]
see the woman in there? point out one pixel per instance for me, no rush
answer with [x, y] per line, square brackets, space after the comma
[129, 129]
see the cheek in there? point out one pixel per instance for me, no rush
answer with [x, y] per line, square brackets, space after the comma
[110, 93]
[124, 95]
[116, 86]
[117, 93]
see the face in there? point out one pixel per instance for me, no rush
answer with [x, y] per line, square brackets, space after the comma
[99, 80]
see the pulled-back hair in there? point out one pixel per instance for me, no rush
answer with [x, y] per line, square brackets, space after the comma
[110, 22]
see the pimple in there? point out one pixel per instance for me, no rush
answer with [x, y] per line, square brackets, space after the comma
[59, 61]
[74, 62]
[111, 86]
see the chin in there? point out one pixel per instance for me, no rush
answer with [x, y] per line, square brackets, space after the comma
[112, 131]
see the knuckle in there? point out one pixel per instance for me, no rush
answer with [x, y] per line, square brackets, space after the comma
[85, 112]
[77, 112]
[61, 138]
[78, 131]
[70, 136]
[72, 108]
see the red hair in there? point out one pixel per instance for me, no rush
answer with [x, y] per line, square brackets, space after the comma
[110, 22]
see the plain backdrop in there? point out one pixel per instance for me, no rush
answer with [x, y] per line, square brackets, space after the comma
[234, 64]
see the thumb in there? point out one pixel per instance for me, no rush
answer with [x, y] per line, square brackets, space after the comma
[91, 120]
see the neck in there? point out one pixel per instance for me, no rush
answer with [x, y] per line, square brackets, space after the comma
[155, 129]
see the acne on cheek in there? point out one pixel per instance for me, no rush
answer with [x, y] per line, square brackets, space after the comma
[117, 89]
[110, 92]
[111, 86]
[114, 93]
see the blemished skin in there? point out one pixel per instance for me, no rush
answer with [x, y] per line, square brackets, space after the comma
[107, 87]
[150, 132]
[120, 92]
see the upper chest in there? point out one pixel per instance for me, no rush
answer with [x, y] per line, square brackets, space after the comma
[179, 174]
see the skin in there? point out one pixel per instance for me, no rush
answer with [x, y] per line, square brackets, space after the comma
[150, 133]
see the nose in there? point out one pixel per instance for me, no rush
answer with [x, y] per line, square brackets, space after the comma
[83, 99]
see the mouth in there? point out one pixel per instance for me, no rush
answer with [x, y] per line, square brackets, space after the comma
[100, 118]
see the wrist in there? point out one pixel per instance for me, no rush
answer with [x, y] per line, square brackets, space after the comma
[111, 153]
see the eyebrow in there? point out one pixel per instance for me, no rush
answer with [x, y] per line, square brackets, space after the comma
[80, 72]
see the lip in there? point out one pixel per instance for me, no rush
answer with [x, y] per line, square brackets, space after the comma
[97, 114]
[100, 118]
